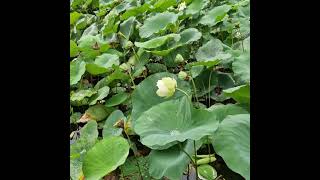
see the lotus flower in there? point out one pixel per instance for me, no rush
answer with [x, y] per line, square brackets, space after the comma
[166, 87]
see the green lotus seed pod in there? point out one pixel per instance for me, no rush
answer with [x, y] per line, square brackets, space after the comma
[179, 59]
[182, 75]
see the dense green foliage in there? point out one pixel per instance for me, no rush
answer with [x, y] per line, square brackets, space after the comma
[159, 88]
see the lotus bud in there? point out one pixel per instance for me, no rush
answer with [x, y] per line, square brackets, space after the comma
[182, 75]
[179, 59]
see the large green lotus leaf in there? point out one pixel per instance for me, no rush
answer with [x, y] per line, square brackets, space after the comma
[196, 6]
[117, 99]
[215, 15]
[88, 137]
[144, 96]
[222, 111]
[101, 94]
[108, 128]
[187, 36]
[134, 11]
[212, 51]
[241, 68]
[240, 93]
[126, 29]
[172, 162]
[77, 69]
[157, 23]
[107, 60]
[162, 5]
[232, 142]
[157, 42]
[174, 121]
[105, 157]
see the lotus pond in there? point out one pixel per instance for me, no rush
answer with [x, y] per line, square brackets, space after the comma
[159, 89]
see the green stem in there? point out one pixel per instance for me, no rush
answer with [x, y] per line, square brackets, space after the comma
[134, 85]
[184, 92]
[195, 90]
[195, 159]
[192, 161]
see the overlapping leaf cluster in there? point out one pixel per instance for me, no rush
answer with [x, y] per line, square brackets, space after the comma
[119, 49]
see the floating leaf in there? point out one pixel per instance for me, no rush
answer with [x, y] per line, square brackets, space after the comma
[232, 142]
[105, 157]
[157, 23]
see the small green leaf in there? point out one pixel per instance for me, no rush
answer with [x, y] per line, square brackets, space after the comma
[196, 6]
[157, 42]
[81, 94]
[117, 99]
[105, 157]
[73, 49]
[126, 29]
[77, 69]
[157, 23]
[102, 93]
[108, 128]
[215, 15]
[134, 11]
[162, 5]
[107, 60]
[95, 69]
